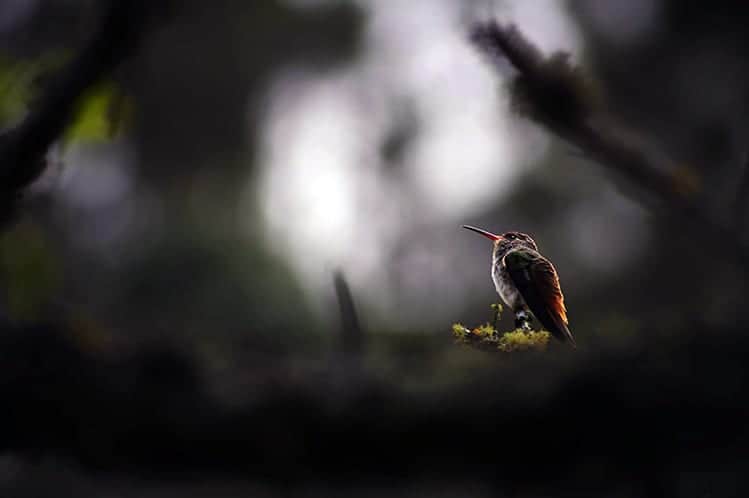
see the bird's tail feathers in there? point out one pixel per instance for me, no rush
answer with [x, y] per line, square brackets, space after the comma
[561, 330]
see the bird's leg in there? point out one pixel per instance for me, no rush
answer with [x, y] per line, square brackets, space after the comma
[523, 320]
[497, 307]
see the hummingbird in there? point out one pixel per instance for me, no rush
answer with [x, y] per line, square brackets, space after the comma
[527, 282]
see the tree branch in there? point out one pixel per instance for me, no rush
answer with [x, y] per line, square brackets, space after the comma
[556, 95]
[23, 148]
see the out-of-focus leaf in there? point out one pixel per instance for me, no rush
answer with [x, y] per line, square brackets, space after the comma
[103, 111]
[102, 114]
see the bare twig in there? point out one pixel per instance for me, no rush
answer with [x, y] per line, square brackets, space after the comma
[352, 335]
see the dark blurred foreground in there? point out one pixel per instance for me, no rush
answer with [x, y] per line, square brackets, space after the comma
[666, 419]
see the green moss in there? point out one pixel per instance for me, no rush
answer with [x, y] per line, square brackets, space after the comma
[486, 338]
[523, 340]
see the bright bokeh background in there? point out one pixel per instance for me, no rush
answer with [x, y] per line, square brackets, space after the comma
[214, 186]
[329, 195]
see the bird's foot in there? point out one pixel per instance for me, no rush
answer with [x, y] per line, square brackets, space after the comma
[523, 320]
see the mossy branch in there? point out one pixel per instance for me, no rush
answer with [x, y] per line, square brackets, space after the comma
[486, 338]
[557, 95]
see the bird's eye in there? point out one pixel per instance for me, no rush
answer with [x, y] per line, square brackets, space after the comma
[511, 236]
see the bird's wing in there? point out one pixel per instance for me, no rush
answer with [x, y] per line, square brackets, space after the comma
[537, 281]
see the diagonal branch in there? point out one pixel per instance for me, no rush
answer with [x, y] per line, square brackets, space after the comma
[556, 95]
[23, 148]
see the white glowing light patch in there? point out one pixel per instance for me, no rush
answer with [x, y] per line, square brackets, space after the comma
[310, 154]
[462, 165]
[462, 161]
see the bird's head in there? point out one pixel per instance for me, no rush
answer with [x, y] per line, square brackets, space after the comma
[506, 241]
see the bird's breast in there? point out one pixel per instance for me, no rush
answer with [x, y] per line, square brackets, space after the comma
[505, 286]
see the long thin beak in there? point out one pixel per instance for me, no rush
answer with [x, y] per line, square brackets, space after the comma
[486, 234]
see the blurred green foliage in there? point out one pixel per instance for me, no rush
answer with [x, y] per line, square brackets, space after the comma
[20, 79]
[222, 292]
[102, 112]
[29, 269]
[16, 82]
